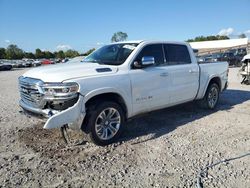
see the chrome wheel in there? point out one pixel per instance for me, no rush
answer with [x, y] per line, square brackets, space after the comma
[107, 123]
[213, 97]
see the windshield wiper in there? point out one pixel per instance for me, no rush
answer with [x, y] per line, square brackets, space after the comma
[103, 62]
[93, 61]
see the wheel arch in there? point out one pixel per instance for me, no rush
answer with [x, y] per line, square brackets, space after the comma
[97, 97]
[214, 79]
[108, 96]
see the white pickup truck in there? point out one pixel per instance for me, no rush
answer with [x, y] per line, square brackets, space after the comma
[117, 82]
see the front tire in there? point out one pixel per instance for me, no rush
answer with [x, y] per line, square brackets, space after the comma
[105, 122]
[211, 97]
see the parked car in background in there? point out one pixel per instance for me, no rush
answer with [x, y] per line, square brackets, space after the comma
[5, 66]
[24, 64]
[53, 61]
[36, 63]
[14, 64]
[241, 51]
[65, 60]
[58, 60]
[77, 59]
[29, 63]
[46, 62]
[204, 58]
[200, 59]
[238, 52]
[216, 57]
[18, 64]
[213, 57]
[230, 58]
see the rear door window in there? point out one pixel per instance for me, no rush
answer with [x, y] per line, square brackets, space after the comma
[176, 54]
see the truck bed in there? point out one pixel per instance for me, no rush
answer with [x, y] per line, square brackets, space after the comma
[209, 70]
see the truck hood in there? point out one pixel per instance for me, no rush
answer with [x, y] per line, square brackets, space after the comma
[66, 71]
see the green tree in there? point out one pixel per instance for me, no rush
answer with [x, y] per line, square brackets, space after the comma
[119, 36]
[48, 55]
[13, 52]
[89, 52]
[208, 38]
[221, 37]
[60, 54]
[39, 54]
[2, 53]
[29, 55]
[71, 53]
[242, 36]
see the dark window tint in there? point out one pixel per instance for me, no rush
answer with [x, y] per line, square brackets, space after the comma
[154, 50]
[176, 54]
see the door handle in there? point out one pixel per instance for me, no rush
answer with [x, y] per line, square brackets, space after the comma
[164, 74]
[192, 71]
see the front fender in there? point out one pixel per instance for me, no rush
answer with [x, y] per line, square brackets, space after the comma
[105, 90]
[102, 91]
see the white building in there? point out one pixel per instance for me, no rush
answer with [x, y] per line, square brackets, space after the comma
[220, 45]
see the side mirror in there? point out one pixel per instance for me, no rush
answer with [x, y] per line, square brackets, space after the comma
[147, 60]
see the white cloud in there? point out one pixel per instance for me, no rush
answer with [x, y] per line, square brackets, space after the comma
[7, 41]
[99, 43]
[247, 32]
[63, 47]
[230, 32]
[226, 32]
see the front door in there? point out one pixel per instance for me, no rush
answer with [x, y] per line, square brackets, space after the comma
[150, 84]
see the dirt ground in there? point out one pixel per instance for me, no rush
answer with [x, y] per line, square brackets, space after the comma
[166, 148]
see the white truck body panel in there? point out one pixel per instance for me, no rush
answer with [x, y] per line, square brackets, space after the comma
[209, 71]
[66, 71]
[142, 90]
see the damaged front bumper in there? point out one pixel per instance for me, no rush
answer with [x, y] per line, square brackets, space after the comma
[72, 116]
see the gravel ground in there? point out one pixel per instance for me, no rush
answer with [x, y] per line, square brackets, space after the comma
[166, 148]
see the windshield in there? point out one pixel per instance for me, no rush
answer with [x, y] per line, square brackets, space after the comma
[113, 54]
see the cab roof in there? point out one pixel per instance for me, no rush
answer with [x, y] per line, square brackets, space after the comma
[151, 41]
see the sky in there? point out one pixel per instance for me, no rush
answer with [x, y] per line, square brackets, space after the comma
[83, 24]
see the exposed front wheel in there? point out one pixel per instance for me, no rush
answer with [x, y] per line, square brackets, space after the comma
[71, 137]
[105, 122]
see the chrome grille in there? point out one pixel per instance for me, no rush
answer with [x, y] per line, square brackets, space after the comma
[30, 92]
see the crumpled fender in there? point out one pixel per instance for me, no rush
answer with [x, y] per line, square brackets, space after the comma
[73, 116]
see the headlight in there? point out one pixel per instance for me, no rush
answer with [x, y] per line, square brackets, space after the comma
[60, 90]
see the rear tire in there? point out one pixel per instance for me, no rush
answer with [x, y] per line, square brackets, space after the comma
[105, 122]
[211, 97]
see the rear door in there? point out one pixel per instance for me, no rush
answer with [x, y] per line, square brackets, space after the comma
[184, 75]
